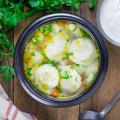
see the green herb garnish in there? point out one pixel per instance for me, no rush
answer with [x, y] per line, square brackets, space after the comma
[59, 89]
[35, 40]
[59, 69]
[92, 3]
[52, 62]
[95, 76]
[7, 72]
[28, 72]
[66, 76]
[68, 40]
[84, 33]
[71, 67]
[67, 55]
[78, 65]
[46, 29]
[98, 51]
[32, 53]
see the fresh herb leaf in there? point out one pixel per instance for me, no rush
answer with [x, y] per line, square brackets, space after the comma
[2, 68]
[7, 72]
[59, 89]
[35, 40]
[78, 65]
[71, 67]
[75, 6]
[36, 3]
[52, 62]
[98, 51]
[46, 29]
[59, 69]
[32, 53]
[67, 55]
[92, 3]
[66, 76]
[84, 33]
[68, 40]
[29, 69]
[0, 26]
[12, 14]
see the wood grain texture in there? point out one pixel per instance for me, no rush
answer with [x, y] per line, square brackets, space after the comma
[109, 88]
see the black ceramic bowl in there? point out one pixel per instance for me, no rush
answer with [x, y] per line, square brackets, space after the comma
[19, 67]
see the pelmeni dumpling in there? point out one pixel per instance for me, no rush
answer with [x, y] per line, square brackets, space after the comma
[56, 28]
[70, 79]
[82, 49]
[37, 57]
[46, 77]
[93, 67]
[56, 48]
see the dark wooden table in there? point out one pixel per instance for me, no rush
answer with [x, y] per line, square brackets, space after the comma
[109, 88]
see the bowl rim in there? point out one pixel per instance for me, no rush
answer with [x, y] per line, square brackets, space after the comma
[100, 26]
[18, 57]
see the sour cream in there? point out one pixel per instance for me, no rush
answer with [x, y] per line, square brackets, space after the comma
[109, 20]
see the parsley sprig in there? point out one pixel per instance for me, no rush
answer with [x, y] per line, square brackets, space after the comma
[92, 3]
[12, 11]
[7, 72]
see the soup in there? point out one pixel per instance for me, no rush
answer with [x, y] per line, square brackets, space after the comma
[61, 59]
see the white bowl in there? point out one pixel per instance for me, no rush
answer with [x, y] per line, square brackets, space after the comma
[114, 42]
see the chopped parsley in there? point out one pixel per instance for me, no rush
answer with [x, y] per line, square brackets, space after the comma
[84, 34]
[36, 40]
[52, 62]
[59, 69]
[66, 76]
[32, 53]
[71, 67]
[98, 51]
[68, 40]
[29, 71]
[78, 65]
[59, 89]
[46, 29]
[67, 55]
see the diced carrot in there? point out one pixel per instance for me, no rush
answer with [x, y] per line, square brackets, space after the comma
[69, 62]
[41, 44]
[49, 37]
[63, 23]
[54, 93]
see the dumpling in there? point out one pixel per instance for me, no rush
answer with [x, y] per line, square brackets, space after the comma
[56, 27]
[82, 49]
[93, 67]
[56, 48]
[70, 80]
[46, 77]
[37, 57]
